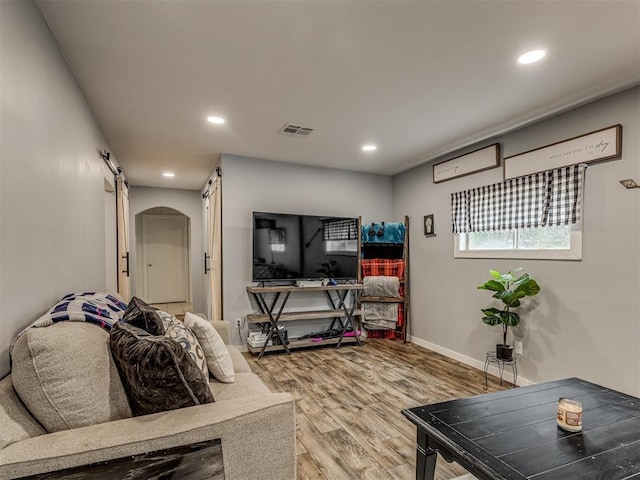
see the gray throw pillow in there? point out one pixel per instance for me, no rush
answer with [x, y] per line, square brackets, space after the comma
[65, 376]
[157, 373]
[141, 315]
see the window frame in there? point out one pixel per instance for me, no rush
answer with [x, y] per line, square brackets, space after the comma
[573, 253]
[341, 251]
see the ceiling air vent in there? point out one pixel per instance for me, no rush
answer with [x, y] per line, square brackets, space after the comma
[292, 130]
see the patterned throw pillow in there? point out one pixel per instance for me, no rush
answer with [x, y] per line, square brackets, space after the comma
[174, 328]
[100, 308]
[157, 373]
[143, 316]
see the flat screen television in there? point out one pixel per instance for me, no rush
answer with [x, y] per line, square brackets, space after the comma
[304, 247]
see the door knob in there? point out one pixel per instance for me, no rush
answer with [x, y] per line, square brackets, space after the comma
[150, 265]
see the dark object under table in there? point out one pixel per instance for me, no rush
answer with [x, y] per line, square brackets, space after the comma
[513, 434]
[198, 461]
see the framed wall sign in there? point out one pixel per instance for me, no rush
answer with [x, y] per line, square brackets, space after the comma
[598, 146]
[476, 161]
[429, 225]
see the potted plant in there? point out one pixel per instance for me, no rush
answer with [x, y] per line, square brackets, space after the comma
[509, 288]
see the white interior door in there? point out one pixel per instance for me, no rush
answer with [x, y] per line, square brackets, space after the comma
[166, 258]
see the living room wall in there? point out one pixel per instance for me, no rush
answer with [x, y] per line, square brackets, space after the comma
[586, 319]
[53, 206]
[251, 184]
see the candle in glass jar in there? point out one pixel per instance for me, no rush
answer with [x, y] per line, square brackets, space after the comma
[569, 415]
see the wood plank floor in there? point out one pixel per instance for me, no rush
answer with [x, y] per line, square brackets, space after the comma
[348, 404]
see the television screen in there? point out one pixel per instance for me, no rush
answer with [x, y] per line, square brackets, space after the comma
[303, 247]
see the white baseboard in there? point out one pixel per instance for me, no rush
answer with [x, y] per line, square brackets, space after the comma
[472, 362]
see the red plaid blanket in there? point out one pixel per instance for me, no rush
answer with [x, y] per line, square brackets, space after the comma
[388, 268]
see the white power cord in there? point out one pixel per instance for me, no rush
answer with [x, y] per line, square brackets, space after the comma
[240, 323]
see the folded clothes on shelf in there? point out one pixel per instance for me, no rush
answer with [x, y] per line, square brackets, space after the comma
[390, 232]
[259, 343]
[257, 339]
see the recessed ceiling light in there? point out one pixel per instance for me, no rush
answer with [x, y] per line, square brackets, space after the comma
[216, 120]
[168, 174]
[531, 57]
[369, 148]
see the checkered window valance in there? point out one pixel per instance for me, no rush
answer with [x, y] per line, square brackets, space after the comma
[340, 229]
[542, 199]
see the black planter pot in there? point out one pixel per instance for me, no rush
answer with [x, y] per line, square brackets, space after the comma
[504, 352]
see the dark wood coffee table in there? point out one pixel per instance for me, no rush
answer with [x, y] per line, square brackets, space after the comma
[513, 434]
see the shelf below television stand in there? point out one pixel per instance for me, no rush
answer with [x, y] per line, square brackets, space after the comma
[271, 311]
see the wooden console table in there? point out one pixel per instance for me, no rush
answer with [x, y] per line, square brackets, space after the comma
[271, 310]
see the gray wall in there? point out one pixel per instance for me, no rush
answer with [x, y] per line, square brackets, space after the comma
[52, 200]
[586, 319]
[187, 202]
[250, 184]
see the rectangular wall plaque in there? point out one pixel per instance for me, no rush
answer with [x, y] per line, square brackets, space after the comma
[476, 161]
[605, 144]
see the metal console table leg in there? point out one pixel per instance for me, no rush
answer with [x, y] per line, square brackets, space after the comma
[268, 309]
[348, 311]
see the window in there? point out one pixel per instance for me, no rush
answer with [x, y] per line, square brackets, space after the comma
[552, 243]
[276, 239]
[338, 246]
[537, 216]
[340, 235]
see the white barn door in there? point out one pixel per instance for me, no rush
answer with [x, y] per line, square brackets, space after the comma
[122, 206]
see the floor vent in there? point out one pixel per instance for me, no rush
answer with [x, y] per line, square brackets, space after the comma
[292, 130]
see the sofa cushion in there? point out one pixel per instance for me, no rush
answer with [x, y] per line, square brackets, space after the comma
[215, 351]
[158, 374]
[240, 363]
[246, 385]
[16, 421]
[181, 333]
[65, 376]
[223, 328]
[143, 316]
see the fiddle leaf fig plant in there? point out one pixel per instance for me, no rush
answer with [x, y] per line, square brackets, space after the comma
[510, 289]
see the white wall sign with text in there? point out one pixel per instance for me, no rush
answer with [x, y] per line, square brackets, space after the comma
[605, 144]
[476, 161]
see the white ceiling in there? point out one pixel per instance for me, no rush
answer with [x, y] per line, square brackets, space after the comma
[418, 78]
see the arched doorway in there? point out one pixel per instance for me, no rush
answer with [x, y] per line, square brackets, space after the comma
[163, 238]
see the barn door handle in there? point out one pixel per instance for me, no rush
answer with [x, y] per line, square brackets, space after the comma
[126, 257]
[206, 268]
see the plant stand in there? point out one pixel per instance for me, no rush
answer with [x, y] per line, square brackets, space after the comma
[491, 359]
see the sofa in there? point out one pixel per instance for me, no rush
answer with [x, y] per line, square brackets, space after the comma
[255, 426]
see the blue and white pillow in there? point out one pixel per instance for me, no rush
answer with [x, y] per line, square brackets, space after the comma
[100, 308]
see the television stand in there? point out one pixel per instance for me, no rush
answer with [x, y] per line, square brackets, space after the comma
[272, 301]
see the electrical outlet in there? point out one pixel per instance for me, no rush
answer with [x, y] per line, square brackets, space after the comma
[238, 322]
[517, 348]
